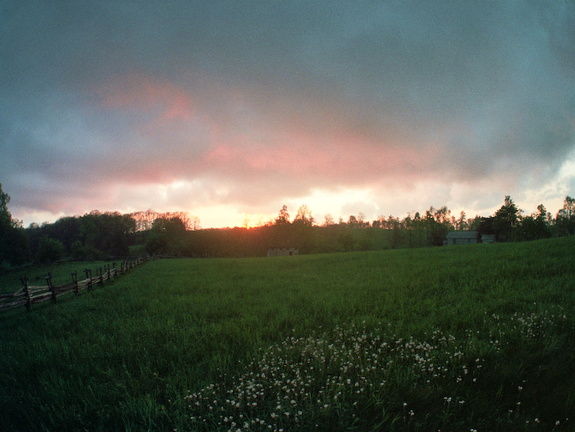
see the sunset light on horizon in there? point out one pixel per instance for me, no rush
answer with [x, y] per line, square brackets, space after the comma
[229, 111]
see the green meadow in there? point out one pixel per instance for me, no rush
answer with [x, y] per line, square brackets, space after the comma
[470, 338]
[60, 272]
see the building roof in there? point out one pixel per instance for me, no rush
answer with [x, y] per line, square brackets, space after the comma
[282, 247]
[462, 234]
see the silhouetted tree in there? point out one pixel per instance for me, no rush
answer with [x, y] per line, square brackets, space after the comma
[167, 236]
[565, 219]
[303, 216]
[66, 230]
[461, 223]
[533, 227]
[283, 216]
[328, 220]
[505, 220]
[419, 228]
[437, 224]
[14, 247]
[485, 225]
[473, 223]
[397, 236]
[49, 251]
[106, 232]
[352, 221]
[144, 219]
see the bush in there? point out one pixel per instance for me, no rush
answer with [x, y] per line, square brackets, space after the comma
[49, 250]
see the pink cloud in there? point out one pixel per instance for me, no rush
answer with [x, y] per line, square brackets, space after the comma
[245, 142]
[140, 92]
[330, 155]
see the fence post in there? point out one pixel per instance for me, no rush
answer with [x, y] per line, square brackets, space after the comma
[24, 280]
[89, 277]
[75, 281]
[51, 286]
[114, 269]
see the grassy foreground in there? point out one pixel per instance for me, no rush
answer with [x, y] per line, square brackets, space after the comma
[468, 338]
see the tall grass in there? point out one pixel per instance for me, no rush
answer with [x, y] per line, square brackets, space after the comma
[170, 345]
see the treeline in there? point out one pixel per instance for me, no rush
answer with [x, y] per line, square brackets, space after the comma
[99, 235]
[92, 236]
[509, 223]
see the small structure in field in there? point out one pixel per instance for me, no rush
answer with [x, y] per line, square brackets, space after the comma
[283, 251]
[462, 237]
[487, 238]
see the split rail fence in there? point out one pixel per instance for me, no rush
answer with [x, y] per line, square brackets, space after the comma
[32, 294]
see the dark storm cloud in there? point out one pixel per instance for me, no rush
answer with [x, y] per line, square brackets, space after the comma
[98, 97]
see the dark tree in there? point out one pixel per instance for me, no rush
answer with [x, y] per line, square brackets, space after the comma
[461, 223]
[303, 216]
[397, 235]
[50, 250]
[106, 233]
[485, 225]
[437, 225]
[565, 220]
[5, 216]
[14, 247]
[66, 230]
[352, 221]
[283, 216]
[531, 228]
[167, 237]
[505, 220]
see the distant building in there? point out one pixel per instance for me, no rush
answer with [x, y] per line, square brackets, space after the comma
[467, 237]
[283, 251]
[462, 237]
[487, 238]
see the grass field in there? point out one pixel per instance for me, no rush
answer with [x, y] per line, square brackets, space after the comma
[479, 337]
[61, 274]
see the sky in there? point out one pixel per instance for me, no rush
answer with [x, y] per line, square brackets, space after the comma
[230, 109]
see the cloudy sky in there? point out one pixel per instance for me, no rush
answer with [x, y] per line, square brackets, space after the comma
[230, 109]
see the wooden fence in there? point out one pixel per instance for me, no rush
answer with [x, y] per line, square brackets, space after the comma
[31, 294]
